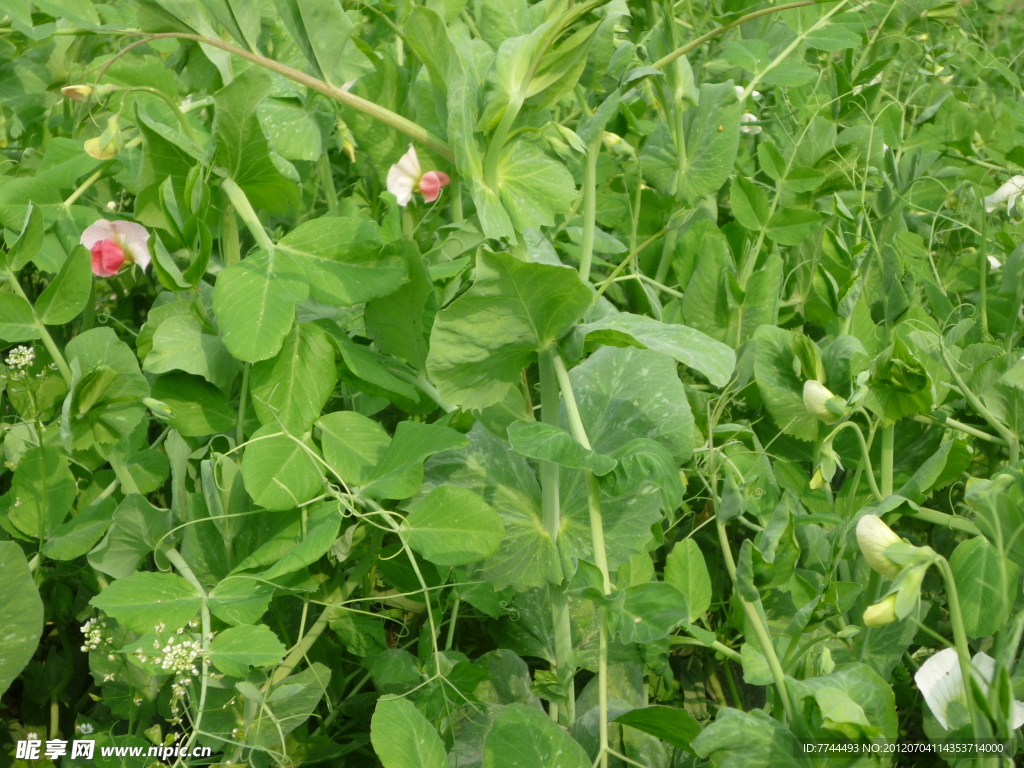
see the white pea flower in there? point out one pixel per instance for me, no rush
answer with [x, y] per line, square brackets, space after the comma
[406, 177]
[994, 264]
[941, 681]
[740, 90]
[1007, 193]
[816, 399]
[748, 117]
[874, 537]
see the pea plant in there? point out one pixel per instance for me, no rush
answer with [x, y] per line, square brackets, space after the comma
[493, 383]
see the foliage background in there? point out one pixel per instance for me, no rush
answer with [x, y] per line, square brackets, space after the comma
[527, 474]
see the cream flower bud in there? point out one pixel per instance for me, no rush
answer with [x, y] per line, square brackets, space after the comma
[816, 399]
[77, 92]
[881, 613]
[109, 144]
[874, 537]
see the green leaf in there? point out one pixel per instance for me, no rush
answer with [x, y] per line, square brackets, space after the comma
[453, 526]
[292, 388]
[136, 530]
[241, 148]
[985, 582]
[853, 700]
[78, 535]
[345, 260]
[649, 612]
[290, 705]
[315, 545]
[199, 408]
[690, 347]
[143, 600]
[527, 556]
[254, 301]
[30, 241]
[68, 293]
[182, 343]
[672, 725]
[400, 471]
[745, 740]
[42, 492]
[523, 735]
[21, 614]
[778, 354]
[235, 649]
[791, 226]
[353, 445]
[279, 473]
[481, 342]
[538, 440]
[712, 134]
[834, 37]
[686, 570]
[399, 323]
[749, 204]
[404, 738]
[534, 187]
[17, 323]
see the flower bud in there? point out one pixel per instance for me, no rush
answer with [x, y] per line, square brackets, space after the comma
[77, 92]
[109, 144]
[817, 400]
[159, 408]
[881, 613]
[817, 480]
[874, 537]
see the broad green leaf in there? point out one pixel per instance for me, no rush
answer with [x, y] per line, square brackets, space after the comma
[21, 614]
[686, 570]
[67, 294]
[504, 480]
[280, 473]
[293, 131]
[78, 535]
[745, 740]
[524, 735]
[345, 259]
[712, 133]
[649, 612]
[42, 492]
[315, 545]
[670, 724]
[777, 357]
[254, 301]
[30, 241]
[241, 148]
[240, 599]
[791, 226]
[534, 187]
[399, 323]
[749, 204]
[235, 649]
[182, 343]
[985, 583]
[404, 738]
[481, 342]
[453, 526]
[198, 408]
[291, 388]
[854, 701]
[538, 440]
[136, 530]
[353, 445]
[400, 471]
[290, 705]
[322, 31]
[143, 600]
[100, 348]
[17, 323]
[834, 37]
[690, 347]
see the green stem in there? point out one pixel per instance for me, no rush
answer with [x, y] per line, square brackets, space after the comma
[551, 514]
[967, 429]
[48, 342]
[230, 246]
[245, 210]
[865, 456]
[983, 270]
[963, 650]
[243, 397]
[386, 116]
[589, 207]
[888, 437]
[451, 625]
[327, 180]
[456, 193]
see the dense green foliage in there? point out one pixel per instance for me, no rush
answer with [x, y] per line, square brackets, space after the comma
[487, 384]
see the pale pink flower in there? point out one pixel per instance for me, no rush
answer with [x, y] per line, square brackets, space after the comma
[406, 177]
[115, 243]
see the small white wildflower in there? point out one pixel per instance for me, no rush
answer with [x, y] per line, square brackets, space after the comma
[84, 728]
[32, 736]
[93, 631]
[160, 627]
[108, 677]
[747, 118]
[21, 357]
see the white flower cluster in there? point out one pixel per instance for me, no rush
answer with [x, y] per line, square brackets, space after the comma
[21, 357]
[176, 656]
[93, 631]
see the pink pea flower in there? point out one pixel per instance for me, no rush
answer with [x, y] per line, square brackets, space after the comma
[115, 243]
[406, 177]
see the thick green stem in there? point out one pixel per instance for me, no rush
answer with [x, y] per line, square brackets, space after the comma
[589, 207]
[888, 436]
[327, 181]
[48, 342]
[245, 210]
[598, 544]
[551, 512]
[230, 246]
[243, 397]
[963, 650]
